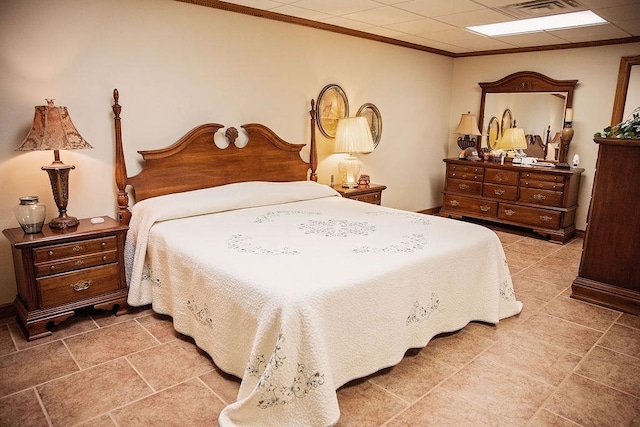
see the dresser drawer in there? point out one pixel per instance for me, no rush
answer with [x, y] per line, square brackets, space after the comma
[499, 176]
[469, 205]
[75, 286]
[540, 197]
[545, 185]
[536, 176]
[68, 250]
[502, 192]
[373, 198]
[468, 171]
[532, 216]
[69, 264]
[464, 187]
[465, 175]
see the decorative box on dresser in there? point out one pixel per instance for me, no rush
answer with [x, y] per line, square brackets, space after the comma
[365, 193]
[543, 199]
[61, 270]
[609, 271]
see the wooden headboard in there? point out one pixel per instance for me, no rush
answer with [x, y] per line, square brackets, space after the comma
[195, 161]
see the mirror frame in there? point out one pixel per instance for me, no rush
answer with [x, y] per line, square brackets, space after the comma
[524, 82]
[626, 62]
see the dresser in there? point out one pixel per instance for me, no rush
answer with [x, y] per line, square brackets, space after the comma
[609, 271]
[365, 193]
[542, 199]
[61, 270]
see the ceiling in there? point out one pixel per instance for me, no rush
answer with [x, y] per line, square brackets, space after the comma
[439, 25]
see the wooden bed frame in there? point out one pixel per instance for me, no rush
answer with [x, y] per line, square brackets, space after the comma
[195, 162]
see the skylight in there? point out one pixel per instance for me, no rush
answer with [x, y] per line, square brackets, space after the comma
[532, 25]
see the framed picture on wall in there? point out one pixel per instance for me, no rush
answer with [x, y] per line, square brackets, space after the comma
[332, 106]
[372, 114]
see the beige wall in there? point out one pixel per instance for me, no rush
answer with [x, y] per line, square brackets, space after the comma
[178, 65]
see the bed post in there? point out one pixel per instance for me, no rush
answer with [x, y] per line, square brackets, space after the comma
[313, 154]
[124, 215]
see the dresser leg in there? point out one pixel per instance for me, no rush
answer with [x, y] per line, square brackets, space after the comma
[119, 306]
[34, 329]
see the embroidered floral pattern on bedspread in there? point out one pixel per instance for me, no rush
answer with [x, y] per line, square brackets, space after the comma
[420, 312]
[147, 275]
[200, 313]
[409, 243]
[506, 291]
[241, 243]
[413, 218]
[336, 228]
[270, 216]
[281, 394]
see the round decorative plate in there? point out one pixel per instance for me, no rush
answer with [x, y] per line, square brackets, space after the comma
[332, 106]
[372, 114]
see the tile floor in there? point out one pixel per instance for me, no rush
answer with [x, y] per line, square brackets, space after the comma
[560, 362]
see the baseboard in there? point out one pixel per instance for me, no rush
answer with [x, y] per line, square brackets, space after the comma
[432, 211]
[7, 311]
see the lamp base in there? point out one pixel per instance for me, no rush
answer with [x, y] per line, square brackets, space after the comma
[349, 170]
[59, 176]
[64, 221]
[349, 185]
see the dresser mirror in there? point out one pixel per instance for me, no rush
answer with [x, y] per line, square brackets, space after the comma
[627, 96]
[536, 103]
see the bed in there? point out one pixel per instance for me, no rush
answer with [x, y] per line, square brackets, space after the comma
[285, 284]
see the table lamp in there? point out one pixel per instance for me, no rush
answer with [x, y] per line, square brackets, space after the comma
[352, 136]
[53, 130]
[513, 141]
[468, 126]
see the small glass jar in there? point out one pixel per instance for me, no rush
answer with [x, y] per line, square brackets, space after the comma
[30, 214]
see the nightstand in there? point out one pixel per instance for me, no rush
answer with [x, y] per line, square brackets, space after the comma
[61, 270]
[369, 194]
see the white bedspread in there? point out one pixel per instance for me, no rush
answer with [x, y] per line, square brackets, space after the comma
[297, 292]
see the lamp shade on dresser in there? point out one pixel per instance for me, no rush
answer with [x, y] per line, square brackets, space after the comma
[609, 272]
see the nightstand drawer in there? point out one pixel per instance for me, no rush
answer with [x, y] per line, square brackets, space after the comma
[69, 287]
[373, 198]
[68, 250]
[76, 263]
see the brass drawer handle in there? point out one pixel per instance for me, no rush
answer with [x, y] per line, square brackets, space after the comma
[104, 257]
[484, 208]
[464, 176]
[509, 212]
[50, 253]
[455, 203]
[463, 186]
[539, 197]
[545, 218]
[80, 285]
[103, 244]
[499, 192]
[52, 268]
[77, 248]
[79, 262]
